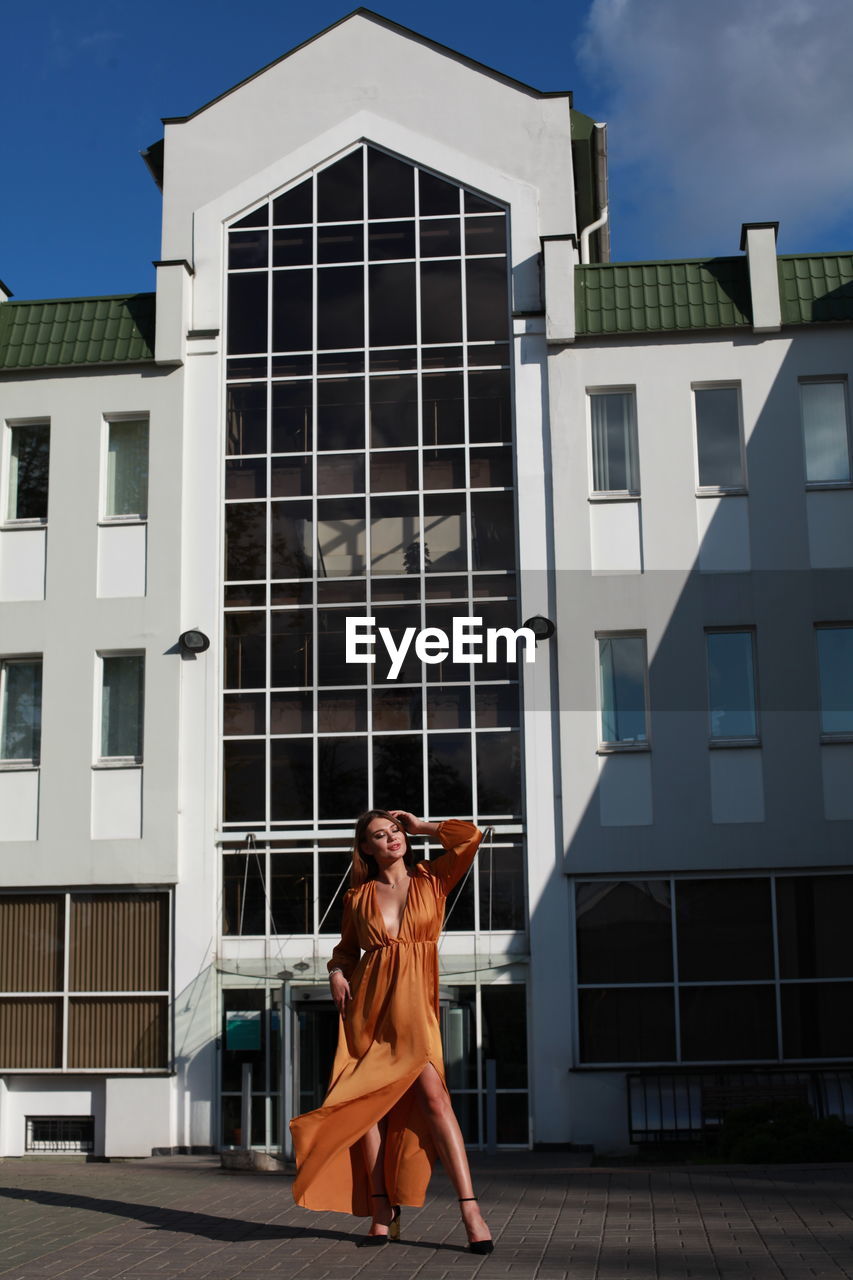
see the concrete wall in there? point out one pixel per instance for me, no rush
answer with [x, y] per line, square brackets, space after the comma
[364, 78]
[22, 1096]
[138, 1115]
[671, 563]
[72, 624]
[101, 827]
[676, 808]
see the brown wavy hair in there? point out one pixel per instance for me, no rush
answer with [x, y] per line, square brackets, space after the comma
[364, 866]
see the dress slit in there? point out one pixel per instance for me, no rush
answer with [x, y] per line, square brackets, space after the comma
[389, 1035]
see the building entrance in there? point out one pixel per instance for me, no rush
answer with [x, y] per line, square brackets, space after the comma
[315, 1026]
[280, 1043]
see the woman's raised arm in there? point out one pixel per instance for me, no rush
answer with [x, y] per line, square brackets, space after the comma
[461, 840]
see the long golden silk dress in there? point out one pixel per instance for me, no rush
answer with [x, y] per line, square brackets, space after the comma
[389, 1034]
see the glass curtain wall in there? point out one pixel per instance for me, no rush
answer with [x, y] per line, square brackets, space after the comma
[725, 969]
[369, 473]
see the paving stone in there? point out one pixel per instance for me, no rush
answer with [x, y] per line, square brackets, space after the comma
[552, 1218]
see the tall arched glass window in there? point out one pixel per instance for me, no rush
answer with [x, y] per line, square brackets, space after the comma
[369, 472]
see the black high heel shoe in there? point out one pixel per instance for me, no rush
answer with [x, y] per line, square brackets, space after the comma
[478, 1246]
[372, 1242]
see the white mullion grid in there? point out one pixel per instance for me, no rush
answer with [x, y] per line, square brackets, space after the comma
[315, 548]
[776, 968]
[262, 864]
[368, 495]
[315, 896]
[66, 979]
[424, 731]
[673, 930]
[472, 732]
[268, 561]
[514, 489]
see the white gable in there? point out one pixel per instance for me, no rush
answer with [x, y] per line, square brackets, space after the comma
[367, 78]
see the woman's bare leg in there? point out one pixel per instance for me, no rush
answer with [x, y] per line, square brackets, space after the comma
[373, 1150]
[450, 1145]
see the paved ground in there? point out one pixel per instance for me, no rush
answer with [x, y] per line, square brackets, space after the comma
[553, 1219]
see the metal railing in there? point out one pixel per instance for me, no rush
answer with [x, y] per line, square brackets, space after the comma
[70, 1134]
[687, 1106]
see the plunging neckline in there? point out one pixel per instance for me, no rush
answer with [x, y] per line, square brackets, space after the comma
[393, 936]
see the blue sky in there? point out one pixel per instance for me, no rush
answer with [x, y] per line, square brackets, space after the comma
[717, 114]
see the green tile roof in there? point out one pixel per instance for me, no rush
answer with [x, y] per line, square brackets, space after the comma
[713, 293]
[63, 332]
[659, 297]
[816, 287]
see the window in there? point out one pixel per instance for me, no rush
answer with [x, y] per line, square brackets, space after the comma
[623, 683]
[714, 969]
[297, 886]
[20, 709]
[29, 456]
[826, 432]
[368, 470]
[122, 697]
[126, 492]
[835, 665]
[719, 439]
[731, 686]
[71, 998]
[615, 466]
[60, 1133]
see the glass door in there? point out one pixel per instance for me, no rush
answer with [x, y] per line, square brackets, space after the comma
[315, 1041]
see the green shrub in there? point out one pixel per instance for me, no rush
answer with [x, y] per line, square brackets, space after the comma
[783, 1133]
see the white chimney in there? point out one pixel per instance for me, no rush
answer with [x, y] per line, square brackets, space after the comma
[559, 259]
[759, 241]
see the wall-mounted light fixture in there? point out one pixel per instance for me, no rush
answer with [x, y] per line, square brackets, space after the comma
[193, 642]
[542, 628]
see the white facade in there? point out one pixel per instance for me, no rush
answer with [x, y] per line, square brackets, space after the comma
[86, 586]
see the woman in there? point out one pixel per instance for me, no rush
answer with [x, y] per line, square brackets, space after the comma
[371, 1146]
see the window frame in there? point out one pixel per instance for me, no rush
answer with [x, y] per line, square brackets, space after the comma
[716, 490]
[753, 740]
[107, 421]
[6, 519]
[461, 416]
[317, 844]
[100, 761]
[12, 763]
[827, 737]
[65, 994]
[777, 982]
[614, 495]
[606, 747]
[821, 379]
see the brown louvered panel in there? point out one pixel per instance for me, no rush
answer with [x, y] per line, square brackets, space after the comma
[31, 942]
[120, 942]
[120, 1032]
[30, 1033]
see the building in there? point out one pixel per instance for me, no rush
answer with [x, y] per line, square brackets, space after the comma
[377, 381]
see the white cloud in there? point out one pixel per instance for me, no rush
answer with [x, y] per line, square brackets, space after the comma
[65, 47]
[718, 114]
